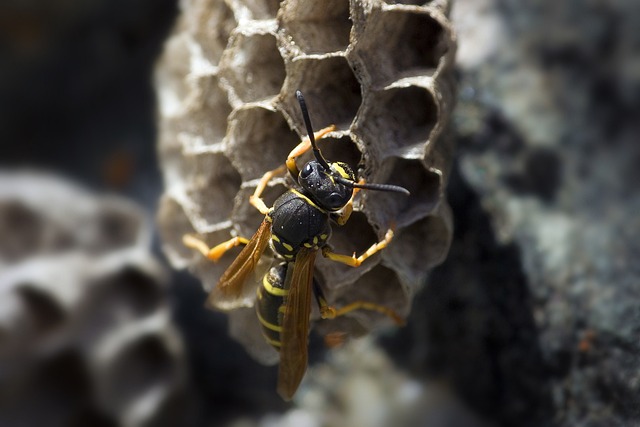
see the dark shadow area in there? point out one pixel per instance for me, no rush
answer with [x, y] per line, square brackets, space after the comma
[227, 383]
[77, 94]
[472, 326]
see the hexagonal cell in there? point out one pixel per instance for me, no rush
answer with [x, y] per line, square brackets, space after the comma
[330, 88]
[398, 121]
[318, 27]
[397, 43]
[22, 230]
[339, 148]
[252, 67]
[45, 313]
[259, 141]
[170, 77]
[210, 22]
[208, 108]
[381, 286]
[356, 236]
[213, 184]
[424, 185]
[113, 227]
[141, 366]
[419, 247]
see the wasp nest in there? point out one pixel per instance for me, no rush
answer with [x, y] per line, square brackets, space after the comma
[85, 332]
[381, 72]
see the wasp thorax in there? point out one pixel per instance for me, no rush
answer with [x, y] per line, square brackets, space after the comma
[322, 187]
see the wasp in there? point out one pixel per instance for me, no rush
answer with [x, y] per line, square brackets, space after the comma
[297, 227]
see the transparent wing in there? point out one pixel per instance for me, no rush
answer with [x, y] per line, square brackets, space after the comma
[295, 325]
[230, 286]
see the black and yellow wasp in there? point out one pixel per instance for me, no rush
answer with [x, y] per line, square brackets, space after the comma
[297, 227]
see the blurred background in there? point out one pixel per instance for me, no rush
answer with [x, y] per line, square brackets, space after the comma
[532, 320]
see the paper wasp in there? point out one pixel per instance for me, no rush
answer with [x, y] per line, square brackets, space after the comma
[296, 227]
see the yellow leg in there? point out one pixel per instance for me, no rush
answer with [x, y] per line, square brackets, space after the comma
[346, 212]
[329, 312]
[215, 253]
[352, 260]
[255, 199]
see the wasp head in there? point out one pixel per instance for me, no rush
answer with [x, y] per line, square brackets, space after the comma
[327, 188]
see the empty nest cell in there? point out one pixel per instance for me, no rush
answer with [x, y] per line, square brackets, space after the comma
[259, 141]
[213, 183]
[208, 111]
[425, 186]
[252, 67]
[22, 230]
[330, 88]
[419, 247]
[399, 120]
[397, 43]
[356, 236]
[138, 368]
[210, 22]
[318, 27]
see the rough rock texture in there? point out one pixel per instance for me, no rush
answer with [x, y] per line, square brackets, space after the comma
[534, 318]
[86, 336]
[380, 72]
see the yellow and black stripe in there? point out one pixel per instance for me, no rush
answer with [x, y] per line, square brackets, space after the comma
[270, 303]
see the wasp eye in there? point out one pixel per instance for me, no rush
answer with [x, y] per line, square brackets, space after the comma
[306, 171]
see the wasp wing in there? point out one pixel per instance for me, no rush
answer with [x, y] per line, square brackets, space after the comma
[294, 337]
[230, 286]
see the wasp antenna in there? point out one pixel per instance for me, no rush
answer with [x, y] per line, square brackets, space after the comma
[377, 187]
[307, 122]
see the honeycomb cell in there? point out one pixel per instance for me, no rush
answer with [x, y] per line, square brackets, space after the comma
[381, 286]
[21, 229]
[419, 247]
[174, 89]
[45, 313]
[400, 119]
[114, 228]
[208, 111]
[340, 149]
[424, 184]
[259, 141]
[356, 236]
[398, 43]
[213, 183]
[330, 88]
[252, 67]
[133, 291]
[318, 27]
[210, 22]
[137, 369]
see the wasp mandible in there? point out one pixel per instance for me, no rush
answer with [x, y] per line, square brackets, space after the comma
[297, 227]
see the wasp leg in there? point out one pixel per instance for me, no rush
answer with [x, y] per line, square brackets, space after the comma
[329, 312]
[302, 148]
[256, 198]
[215, 253]
[352, 260]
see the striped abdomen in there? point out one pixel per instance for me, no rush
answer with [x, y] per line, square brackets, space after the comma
[270, 303]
